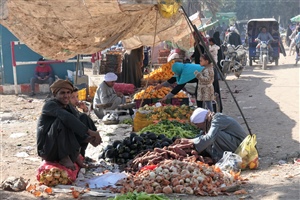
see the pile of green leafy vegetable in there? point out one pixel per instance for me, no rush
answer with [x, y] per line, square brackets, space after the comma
[172, 129]
[139, 196]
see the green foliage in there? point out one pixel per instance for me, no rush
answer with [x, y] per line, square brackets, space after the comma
[246, 9]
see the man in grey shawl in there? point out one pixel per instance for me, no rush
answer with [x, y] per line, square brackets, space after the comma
[220, 133]
[106, 95]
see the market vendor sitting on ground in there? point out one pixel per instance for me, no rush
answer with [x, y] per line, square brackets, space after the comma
[219, 133]
[83, 116]
[106, 97]
[59, 132]
[42, 74]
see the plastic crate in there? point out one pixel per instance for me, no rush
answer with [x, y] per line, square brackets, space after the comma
[180, 101]
[155, 100]
[139, 101]
[92, 91]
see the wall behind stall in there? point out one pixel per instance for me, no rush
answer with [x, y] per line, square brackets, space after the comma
[24, 53]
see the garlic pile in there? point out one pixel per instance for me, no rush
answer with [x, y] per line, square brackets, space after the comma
[174, 176]
[54, 176]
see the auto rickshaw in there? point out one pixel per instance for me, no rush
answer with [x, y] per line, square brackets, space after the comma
[262, 53]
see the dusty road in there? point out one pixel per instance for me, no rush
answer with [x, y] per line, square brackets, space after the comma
[268, 98]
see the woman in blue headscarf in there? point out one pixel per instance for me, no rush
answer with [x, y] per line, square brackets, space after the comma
[184, 73]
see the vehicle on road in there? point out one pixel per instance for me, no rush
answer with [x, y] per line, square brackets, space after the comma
[264, 52]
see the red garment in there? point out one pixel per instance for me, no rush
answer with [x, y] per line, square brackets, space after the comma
[43, 71]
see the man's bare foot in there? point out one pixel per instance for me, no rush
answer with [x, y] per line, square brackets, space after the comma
[67, 162]
[80, 163]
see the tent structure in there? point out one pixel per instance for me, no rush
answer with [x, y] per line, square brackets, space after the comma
[62, 29]
[295, 19]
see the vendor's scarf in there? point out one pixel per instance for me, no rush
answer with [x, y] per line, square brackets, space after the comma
[59, 84]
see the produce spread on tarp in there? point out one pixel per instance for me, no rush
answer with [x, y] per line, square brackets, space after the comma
[153, 158]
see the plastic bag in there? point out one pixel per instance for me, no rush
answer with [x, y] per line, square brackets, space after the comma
[230, 162]
[140, 121]
[248, 152]
[53, 173]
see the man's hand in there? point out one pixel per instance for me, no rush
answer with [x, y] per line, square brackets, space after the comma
[158, 87]
[96, 137]
[163, 99]
[82, 106]
[119, 94]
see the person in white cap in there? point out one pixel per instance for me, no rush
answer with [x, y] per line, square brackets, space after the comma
[219, 133]
[106, 94]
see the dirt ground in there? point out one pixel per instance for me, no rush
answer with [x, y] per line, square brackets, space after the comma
[269, 99]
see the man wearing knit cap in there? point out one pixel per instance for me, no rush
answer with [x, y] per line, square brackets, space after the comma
[220, 133]
[60, 133]
[106, 94]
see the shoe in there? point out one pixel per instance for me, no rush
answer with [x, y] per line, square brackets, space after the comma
[32, 94]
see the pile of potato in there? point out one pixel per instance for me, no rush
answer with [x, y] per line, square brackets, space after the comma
[174, 176]
[54, 176]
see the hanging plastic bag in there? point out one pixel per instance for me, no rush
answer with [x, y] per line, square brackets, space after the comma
[248, 152]
[230, 162]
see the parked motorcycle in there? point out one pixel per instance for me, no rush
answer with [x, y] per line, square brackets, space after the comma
[235, 59]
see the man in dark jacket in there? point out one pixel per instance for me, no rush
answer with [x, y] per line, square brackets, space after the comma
[60, 132]
[233, 37]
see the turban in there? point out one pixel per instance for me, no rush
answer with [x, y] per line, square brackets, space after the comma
[199, 115]
[110, 77]
[59, 84]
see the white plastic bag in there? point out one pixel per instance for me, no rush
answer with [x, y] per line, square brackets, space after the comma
[230, 162]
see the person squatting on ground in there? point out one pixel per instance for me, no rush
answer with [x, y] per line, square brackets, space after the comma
[106, 94]
[42, 74]
[60, 132]
[83, 116]
[219, 133]
[205, 78]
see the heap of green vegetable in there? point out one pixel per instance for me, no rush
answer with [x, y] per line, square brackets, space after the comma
[172, 129]
[139, 196]
[121, 151]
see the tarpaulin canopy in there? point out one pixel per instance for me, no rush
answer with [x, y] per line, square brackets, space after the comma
[295, 19]
[60, 29]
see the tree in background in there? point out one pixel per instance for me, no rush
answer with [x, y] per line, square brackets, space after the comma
[246, 9]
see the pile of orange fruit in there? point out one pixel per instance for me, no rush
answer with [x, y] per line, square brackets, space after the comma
[150, 92]
[164, 72]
